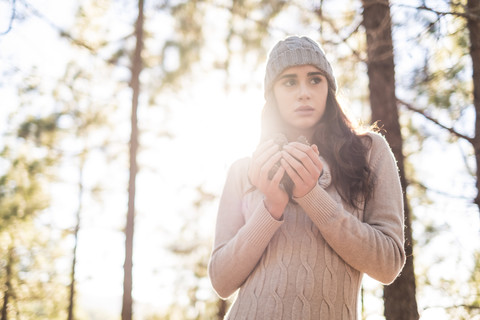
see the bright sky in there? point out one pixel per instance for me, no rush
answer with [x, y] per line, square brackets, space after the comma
[211, 130]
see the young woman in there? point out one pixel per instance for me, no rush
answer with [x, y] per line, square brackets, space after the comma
[299, 252]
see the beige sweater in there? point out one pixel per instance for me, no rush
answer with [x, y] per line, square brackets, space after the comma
[310, 264]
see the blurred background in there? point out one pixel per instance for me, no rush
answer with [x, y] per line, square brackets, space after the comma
[120, 119]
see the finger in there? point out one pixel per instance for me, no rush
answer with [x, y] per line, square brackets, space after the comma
[304, 173]
[302, 155]
[259, 160]
[269, 164]
[316, 159]
[307, 156]
[296, 179]
[296, 166]
[266, 154]
[311, 150]
[277, 177]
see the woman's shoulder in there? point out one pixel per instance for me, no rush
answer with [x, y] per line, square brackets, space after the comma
[376, 139]
[373, 139]
[240, 165]
[378, 147]
[239, 172]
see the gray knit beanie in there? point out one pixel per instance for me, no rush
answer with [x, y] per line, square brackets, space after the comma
[295, 51]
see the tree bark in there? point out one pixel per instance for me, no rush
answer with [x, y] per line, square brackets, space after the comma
[8, 284]
[473, 25]
[127, 305]
[222, 309]
[399, 297]
[71, 302]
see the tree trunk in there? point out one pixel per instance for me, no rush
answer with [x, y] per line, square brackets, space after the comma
[222, 309]
[127, 306]
[399, 297]
[473, 26]
[71, 302]
[8, 284]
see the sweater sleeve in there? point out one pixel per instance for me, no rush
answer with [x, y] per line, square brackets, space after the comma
[239, 243]
[375, 245]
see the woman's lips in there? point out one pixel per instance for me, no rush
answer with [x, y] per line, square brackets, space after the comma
[304, 110]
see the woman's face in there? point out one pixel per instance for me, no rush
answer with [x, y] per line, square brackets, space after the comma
[301, 96]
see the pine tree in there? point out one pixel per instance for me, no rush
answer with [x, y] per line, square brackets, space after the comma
[127, 306]
[399, 297]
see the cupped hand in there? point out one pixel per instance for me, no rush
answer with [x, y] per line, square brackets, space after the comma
[302, 164]
[263, 160]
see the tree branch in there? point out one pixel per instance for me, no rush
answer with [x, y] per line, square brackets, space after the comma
[12, 18]
[467, 15]
[64, 34]
[343, 39]
[465, 306]
[435, 121]
[60, 31]
[244, 14]
[437, 191]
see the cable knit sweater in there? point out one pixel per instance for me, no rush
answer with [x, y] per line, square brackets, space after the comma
[310, 264]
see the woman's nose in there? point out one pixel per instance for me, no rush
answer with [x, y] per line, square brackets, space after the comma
[303, 91]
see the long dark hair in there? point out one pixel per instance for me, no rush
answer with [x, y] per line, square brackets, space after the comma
[344, 149]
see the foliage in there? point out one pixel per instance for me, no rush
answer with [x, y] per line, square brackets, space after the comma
[80, 114]
[30, 251]
[21, 190]
[442, 89]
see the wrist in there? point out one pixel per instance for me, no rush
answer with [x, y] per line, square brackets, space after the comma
[275, 210]
[303, 193]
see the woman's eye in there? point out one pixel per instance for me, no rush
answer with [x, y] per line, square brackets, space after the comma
[290, 82]
[316, 80]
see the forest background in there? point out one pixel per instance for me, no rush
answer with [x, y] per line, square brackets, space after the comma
[78, 130]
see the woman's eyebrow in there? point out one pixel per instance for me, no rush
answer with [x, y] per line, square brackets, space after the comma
[294, 75]
[288, 75]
